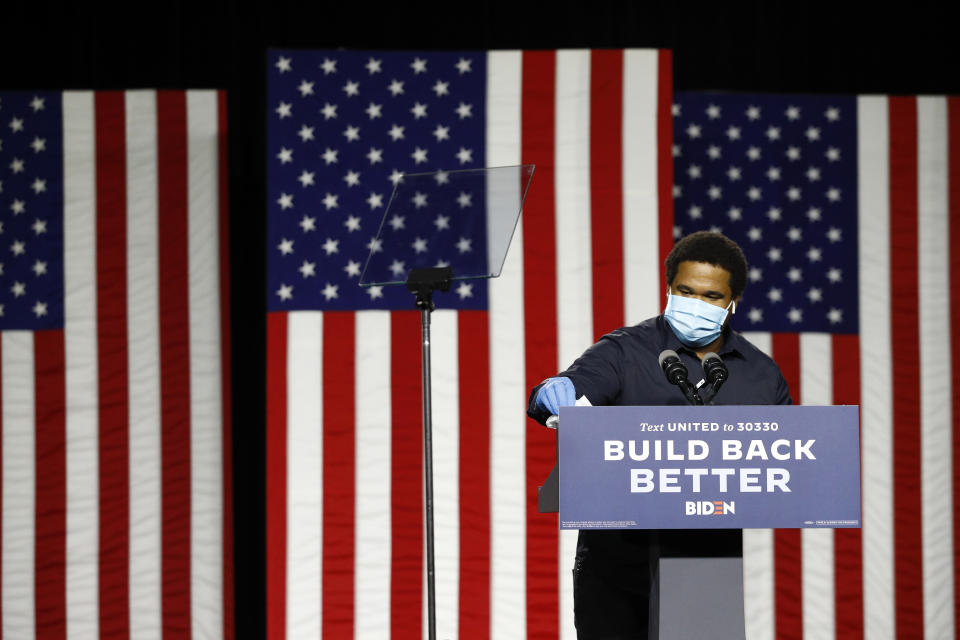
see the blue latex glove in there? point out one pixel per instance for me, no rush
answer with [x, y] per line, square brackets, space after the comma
[556, 393]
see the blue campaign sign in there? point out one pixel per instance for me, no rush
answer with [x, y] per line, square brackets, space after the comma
[710, 467]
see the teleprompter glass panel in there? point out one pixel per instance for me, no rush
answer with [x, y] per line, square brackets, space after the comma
[458, 219]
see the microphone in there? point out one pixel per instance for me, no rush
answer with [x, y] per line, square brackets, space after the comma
[676, 374]
[672, 367]
[715, 371]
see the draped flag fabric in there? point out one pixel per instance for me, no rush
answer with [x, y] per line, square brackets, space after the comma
[114, 366]
[846, 208]
[345, 529]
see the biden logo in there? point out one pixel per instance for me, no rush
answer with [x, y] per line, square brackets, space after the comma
[709, 507]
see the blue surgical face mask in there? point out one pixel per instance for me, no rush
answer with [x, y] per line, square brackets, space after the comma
[695, 322]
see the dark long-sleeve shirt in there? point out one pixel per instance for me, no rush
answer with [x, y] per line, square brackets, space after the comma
[623, 368]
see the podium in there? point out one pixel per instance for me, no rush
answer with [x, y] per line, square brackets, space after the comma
[702, 468]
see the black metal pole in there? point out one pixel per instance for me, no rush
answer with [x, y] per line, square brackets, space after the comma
[428, 472]
[423, 282]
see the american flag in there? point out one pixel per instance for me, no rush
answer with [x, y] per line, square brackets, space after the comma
[114, 368]
[344, 448]
[846, 208]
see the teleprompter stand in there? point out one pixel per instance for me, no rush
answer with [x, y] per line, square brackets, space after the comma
[422, 283]
[437, 225]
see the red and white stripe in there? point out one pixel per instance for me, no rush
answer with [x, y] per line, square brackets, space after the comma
[897, 576]
[116, 460]
[345, 541]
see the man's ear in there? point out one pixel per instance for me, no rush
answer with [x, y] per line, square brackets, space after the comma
[736, 301]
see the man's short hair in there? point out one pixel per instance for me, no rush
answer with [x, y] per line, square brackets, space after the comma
[712, 248]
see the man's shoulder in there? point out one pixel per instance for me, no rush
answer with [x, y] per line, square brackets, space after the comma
[646, 336]
[751, 352]
[646, 331]
[615, 360]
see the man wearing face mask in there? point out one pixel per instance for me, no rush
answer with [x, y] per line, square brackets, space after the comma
[706, 274]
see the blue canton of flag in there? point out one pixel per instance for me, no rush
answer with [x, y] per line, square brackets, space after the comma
[778, 175]
[343, 129]
[31, 211]
[431, 221]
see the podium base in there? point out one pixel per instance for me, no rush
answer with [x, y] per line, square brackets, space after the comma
[697, 598]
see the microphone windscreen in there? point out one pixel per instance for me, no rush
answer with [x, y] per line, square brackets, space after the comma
[667, 354]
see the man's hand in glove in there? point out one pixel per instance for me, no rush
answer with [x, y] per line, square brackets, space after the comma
[556, 393]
